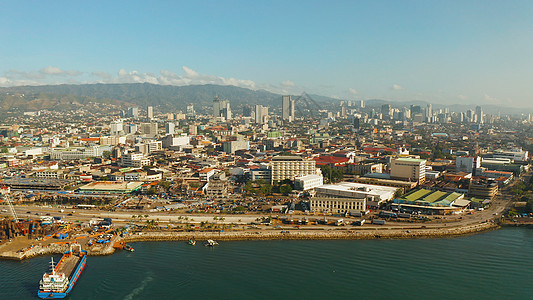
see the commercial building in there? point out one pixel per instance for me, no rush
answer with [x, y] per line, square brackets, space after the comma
[431, 202]
[308, 182]
[374, 194]
[261, 174]
[467, 164]
[150, 113]
[483, 189]
[287, 107]
[36, 183]
[110, 187]
[149, 129]
[232, 146]
[134, 160]
[289, 167]
[76, 153]
[337, 205]
[409, 169]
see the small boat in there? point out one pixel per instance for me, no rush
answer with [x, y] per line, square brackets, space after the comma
[128, 248]
[210, 243]
[192, 242]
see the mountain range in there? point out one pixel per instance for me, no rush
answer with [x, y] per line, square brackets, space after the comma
[68, 96]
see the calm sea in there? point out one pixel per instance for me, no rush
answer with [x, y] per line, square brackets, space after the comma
[491, 265]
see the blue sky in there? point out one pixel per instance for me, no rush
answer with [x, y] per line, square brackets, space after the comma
[439, 51]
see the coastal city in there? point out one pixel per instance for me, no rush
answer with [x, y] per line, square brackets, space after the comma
[103, 175]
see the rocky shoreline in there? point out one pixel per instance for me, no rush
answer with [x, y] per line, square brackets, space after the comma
[246, 235]
[383, 233]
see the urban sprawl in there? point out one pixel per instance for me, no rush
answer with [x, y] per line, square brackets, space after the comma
[103, 174]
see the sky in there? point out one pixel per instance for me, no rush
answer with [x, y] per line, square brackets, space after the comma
[447, 52]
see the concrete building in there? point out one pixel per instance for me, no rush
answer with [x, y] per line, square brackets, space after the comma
[467, 164]
[149, 129]
[517, 155]
[171, 141]
[170, 128]
[133, 112]
[149, 147]
[232, 146]
[76, 153]
[149, 113]
[261, 174]
[261, 114]
[373, 193]
[289, 167]
[110, 187]
[308, 182]
[134, 160]
[116, 128]
[337, 205]
[410, 169]
[287, 107]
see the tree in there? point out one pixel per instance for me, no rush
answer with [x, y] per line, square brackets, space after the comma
[265, 189]
[106, 154]
[285, 189]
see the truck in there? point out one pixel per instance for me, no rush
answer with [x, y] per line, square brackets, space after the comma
[359, 222]
[379, 222]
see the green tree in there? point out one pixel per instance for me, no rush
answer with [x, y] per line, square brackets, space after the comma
[106, 154]
[285, 189]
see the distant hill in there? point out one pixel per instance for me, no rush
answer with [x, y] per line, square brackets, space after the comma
[69, 96]
[142, 94]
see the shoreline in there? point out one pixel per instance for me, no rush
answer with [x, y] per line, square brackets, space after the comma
[263, 235]
[302, 234]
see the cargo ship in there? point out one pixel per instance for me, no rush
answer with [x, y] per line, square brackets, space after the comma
[61, 279]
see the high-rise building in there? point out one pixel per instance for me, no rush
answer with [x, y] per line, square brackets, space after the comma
[150, 112]
[356, 123]
[386, 111]
[149, 129]
[259, 114]
[429, 112]
[170, 128]
[287, 108]
[479, 114]
[411, 169]
[133, 112]
[221, 108]
[190, 110]
[117, 127]
[289, 167]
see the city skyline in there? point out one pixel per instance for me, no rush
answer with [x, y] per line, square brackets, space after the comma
[454, 52]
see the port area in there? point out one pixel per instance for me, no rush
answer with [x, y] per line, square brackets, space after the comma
[53, 239]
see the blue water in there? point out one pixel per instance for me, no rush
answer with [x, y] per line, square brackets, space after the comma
[491, 265]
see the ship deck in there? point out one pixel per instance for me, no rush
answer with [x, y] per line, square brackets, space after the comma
[68, 265]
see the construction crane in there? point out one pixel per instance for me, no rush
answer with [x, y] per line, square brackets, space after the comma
[13, 212]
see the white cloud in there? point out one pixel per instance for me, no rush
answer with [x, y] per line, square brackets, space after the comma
[353, 91]
[287, 83]
[50, 70]
[55, 75]
[462, 97]
[397, 87]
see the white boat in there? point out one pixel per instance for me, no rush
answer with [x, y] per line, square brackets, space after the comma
[210, 243]
[192, 242]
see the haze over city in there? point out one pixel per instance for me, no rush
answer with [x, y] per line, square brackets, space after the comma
[469, 52]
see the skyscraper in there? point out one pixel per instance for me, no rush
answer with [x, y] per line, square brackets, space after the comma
[479, 114]
[133, 112]
[190, 110]
[287, 108]
[150, 112]
[170, 128]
